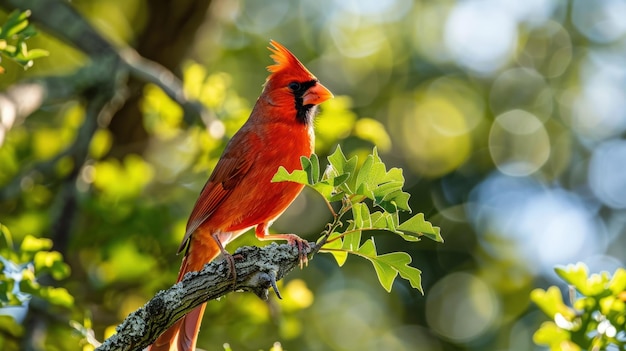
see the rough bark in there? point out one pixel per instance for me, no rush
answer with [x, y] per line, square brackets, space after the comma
[257, 269]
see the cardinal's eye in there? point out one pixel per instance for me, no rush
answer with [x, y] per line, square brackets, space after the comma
[294, 86]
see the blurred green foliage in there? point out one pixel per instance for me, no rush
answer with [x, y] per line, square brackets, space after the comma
[596, 319]
[14, 32]
[21, 269]
[501, 114]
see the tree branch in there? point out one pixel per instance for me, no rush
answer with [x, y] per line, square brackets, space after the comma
[62, 20]
[257, 269]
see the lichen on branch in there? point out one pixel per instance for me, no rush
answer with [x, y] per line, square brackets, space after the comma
[257, 269]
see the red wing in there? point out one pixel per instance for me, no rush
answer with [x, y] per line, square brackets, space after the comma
[228, 172]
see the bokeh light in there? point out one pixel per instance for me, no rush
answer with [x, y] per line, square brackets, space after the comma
[535, 223]
[490, 42]
[518, 143]
[521, 88]
[461, 307]
[602, 20]
[599, 111]
[606, 178]
[507, 117]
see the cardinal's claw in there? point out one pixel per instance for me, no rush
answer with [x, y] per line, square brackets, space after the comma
[303, 247]
[231, 267]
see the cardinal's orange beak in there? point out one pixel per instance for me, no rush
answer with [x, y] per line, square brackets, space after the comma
[316, 94]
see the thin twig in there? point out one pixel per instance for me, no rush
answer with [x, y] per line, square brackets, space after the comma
[152, 72]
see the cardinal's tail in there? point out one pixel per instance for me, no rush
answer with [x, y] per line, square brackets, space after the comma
[183, 334]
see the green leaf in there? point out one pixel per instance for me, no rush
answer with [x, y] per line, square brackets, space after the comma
[313, 171]
[35, 54]
[338, 180]
[352, 240]
[361, 216]
[51, 262]
[306, 167]
[551, 303]
[551, 335]
[10, 326]
[386, 274]
[575, 275]
[297, 176]
[388, 266]
[383, 187]
[28, 32]
[6, 237]
[396, 200]
[15, 23]
[328, 188]
[339, 165]
[387, 221]
[370, 176]
[57, 296]
[618, 282]
[340, 255]
[417, 226]
[15, 28]
[33, 244]
[578, 276]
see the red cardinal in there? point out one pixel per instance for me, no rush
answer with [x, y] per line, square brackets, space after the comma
[239, 194]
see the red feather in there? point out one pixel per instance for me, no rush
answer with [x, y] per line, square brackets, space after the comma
[239, 194]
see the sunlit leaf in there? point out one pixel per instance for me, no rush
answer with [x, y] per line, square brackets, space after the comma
[551, 335]
[386, 274]
[10, 326]
[122, 181]
[383, 187]
[618, 281]
[578, 276]
[388, 266]
[339, 165]
[371, 174]
[51, 261]
[337, 181]
[352, 238]
[312, 168]
[326, 190]
[100, 143]
[33, 244]
[34, 54]
[385, 220]
[335, 248]
[5, 236]
[315, 168]
[297, 176]
[16, 24]
[417, 226]
[56, 296]
[361, 216]
[551, 302]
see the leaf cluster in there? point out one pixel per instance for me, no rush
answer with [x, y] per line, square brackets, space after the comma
[373, 196]
[20, 270]
[13, 35]
[596, 319]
